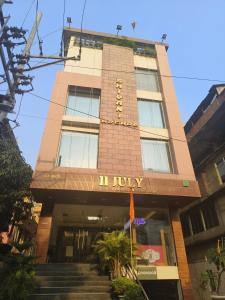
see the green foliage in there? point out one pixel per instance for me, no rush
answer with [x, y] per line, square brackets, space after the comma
[120, 42]
[215, 256]
[120, 284]
[113, 250]
[15, 179]
[17, 278]
[134, 292]
[128, 288]
[150, 52]
[124, 42]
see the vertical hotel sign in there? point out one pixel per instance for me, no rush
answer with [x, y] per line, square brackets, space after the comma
[119, 108]
[119, 98]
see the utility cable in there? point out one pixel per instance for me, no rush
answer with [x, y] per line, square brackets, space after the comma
[103, 119]
[133, 72]
[63, 22]
[57, 120]
[40, 41]
[28, 12]
[81, 25]
[18, 112]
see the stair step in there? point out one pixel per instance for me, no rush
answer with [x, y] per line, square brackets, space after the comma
[66, 282]
[73, 277]
[71, 296]
[65, 273]
[64, 266]
[70, 289]
[69, 282]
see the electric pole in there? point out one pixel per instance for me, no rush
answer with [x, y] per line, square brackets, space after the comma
[15, 65]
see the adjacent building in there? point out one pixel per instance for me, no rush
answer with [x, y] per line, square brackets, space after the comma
[114, 125]
[203, 221]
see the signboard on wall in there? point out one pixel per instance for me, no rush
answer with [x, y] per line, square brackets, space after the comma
[150, 255]
[146, 273]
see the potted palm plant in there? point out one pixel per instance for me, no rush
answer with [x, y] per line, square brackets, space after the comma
[214, 277]
[113, 250]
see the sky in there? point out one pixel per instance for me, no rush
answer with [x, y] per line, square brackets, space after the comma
[195, 34]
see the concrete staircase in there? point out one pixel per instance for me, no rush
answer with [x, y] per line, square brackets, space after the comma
[69, 282]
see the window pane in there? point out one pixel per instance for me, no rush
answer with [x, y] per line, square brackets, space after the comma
[147, 80]
[78, 150]
[155, 156]
[209, 214]
[221, 169]
[83, 102]
[150, 114]
[154, 239]
[196, 221]
[185, 225]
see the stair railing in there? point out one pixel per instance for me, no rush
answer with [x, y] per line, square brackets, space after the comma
[132, 274]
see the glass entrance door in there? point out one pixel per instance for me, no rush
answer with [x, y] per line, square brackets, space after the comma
[75, 244]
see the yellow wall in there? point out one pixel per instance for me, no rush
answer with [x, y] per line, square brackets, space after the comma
[90, 63]
[145, 62]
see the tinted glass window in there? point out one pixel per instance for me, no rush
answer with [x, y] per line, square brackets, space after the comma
[150, 114]
[78, 150]
[155, 156]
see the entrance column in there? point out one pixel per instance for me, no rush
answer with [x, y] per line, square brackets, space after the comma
[43, 235]
[181, 256]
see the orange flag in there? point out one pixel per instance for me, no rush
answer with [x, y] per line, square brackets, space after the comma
[131, 207]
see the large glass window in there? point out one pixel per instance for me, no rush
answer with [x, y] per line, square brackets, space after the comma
[155, 156]
[150, 113]
[147, 80]
[78, 150]
[153, 237]
[83, 102]
[221, 169]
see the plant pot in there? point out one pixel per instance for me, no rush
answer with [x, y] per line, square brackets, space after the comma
[214, 297]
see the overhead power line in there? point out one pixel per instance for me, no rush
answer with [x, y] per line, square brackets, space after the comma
[133, 72]
[28, 12]
[40, 41]
[89, 115]
[81, 24]
[63, 22]
[18, 112]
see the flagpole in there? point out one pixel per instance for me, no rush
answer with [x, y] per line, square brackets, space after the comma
[131, 234]
[131, 247]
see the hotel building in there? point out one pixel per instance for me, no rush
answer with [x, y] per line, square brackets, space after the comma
[114, 125]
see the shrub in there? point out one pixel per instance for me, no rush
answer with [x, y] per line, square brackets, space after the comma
[133, 292]
[17, 278]
[128, 288]
[213, 277]
[120, 285]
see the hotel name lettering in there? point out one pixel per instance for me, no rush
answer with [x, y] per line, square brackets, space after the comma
[119, 181]
[119, 97]
[119, 108]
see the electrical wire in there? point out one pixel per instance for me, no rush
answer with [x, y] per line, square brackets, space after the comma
[49, 34]
[40, 41]
[103, 119]
[28, 12]
[133, 72]
[63, 23]
[21, 100]
[81, 24]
